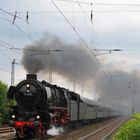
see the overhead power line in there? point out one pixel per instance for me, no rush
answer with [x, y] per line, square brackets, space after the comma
[3, 69]
[27, 35]
[80, 12]
[100, 4]
[11, 14]
[17, 26]
[73, 28]
[8, 46]
[106, 51]
[37, 51]
[47, 52]
[87, 46]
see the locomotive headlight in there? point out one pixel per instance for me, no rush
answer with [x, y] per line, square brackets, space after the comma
[13, 116]
[28, 85]
[38, 117]
[28, 88]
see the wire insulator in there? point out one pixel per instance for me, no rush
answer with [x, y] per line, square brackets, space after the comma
[14, 17]
[27, 17]
[91, 17]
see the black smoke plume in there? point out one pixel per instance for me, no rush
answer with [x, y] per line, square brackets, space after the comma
[69, 60]
[74, 61]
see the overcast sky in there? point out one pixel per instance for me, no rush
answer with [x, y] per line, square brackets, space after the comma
[115, 25]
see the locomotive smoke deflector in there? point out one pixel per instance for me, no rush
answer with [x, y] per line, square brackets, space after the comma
[31, 77]
[11, 92]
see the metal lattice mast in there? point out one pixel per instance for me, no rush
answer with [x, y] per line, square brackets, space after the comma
[13, 73]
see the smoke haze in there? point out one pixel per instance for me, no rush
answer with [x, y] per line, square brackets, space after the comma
[74, 61]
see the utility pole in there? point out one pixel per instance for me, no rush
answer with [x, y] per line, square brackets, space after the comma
[13, 73]
[133, 104]
[132, 98]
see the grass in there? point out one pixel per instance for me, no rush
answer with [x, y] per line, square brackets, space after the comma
[130, 130]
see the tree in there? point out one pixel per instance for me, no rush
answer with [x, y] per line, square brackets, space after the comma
[4, 103]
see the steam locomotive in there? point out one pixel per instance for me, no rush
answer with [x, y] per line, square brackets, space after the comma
[41, 105]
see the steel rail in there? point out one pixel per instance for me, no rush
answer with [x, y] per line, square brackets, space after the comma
[112, 131]
[7, 133]
[98, 130]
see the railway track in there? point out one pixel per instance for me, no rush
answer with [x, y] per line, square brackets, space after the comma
[98, 131]
[105, 132]
[7, 133]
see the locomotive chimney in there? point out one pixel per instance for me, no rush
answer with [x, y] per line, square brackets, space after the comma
[31, 77]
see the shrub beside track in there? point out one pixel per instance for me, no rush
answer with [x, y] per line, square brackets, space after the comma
[130, 130]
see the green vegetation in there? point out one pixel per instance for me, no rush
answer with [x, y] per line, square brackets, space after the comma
[130, 130]
[4, 103]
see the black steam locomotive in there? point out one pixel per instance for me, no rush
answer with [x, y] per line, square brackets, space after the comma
[41, 105]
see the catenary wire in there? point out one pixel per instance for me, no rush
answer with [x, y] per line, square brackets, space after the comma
[79, 12]
[73, 28]
[9, 13]
[8, 46]
[17, 26]
[101, 4]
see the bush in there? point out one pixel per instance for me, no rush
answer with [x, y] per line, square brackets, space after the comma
[130, 130]
[4, 103]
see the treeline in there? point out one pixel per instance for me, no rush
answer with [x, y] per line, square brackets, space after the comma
[4, 104]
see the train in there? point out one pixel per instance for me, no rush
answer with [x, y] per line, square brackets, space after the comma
[41, 105]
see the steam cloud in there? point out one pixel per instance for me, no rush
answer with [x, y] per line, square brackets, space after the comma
[54, 131]
[76, 62]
